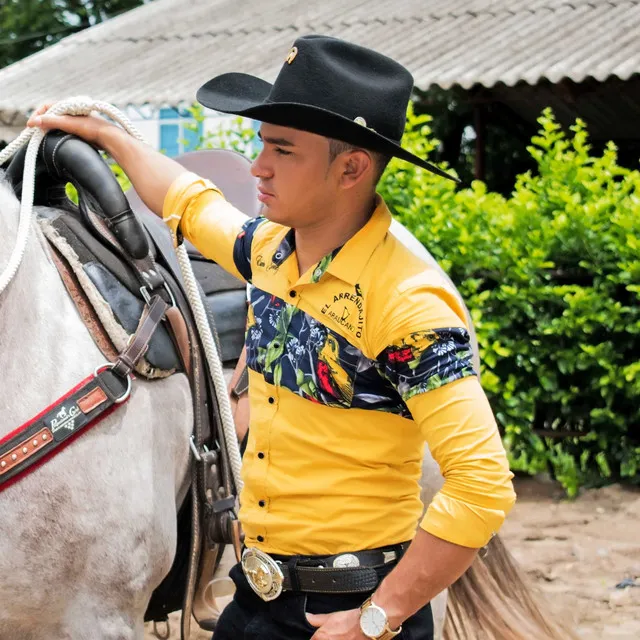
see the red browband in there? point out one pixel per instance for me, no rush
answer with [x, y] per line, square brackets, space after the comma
[45, 435]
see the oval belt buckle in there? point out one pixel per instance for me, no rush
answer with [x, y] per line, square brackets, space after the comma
[263, 574]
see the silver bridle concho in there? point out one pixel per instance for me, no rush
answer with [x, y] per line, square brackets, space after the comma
[263, 574]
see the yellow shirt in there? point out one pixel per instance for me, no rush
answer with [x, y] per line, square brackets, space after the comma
[353, 365]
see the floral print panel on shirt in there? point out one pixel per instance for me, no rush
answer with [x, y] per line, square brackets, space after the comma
[242, 247]
[426, 360]
[292, 349]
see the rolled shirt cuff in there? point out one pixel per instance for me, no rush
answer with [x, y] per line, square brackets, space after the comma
[465, 524]
[184, 191]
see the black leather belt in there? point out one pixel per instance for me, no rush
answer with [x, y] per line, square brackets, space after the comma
[341, 573]
[321, 580]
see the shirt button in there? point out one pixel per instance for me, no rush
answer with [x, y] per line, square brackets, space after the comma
[292, 293]
[260, 455]
[260, 538]
[262, 503]
[271, 400]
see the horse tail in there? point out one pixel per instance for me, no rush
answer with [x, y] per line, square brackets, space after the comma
[492, 600]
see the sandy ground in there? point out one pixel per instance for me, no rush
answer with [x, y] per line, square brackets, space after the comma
[575, 553]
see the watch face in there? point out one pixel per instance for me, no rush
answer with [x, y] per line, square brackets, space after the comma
[373, 621]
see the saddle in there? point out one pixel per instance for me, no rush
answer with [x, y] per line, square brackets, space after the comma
[112, 262]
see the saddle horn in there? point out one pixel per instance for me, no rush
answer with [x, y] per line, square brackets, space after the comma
[66, 158]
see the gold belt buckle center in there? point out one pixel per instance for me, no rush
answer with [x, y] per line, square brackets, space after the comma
[263, 574]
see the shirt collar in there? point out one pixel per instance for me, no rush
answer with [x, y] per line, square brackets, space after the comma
[352, 258]
[346, 262]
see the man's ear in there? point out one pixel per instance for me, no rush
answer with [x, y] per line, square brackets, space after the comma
[356, 165]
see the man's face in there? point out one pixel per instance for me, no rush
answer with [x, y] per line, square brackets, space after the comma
[295, 182]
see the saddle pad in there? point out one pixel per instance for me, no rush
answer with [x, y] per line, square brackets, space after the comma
[116, 305]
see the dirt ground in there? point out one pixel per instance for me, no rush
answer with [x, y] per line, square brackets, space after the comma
[575, 552]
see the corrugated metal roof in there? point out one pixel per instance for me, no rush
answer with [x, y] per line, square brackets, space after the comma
[610, 109]
[161, 52]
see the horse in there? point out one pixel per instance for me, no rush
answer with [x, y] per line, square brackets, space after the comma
[86, 538]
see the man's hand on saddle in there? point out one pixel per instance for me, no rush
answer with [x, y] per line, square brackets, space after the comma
[342, 625]
[89, 128]
[151, 173]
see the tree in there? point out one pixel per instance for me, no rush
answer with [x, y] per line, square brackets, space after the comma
[506, 135]
[27, 26]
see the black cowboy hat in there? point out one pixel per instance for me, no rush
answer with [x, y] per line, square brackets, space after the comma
[329, 87]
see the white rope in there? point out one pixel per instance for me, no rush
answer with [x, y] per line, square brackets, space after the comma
[25, 207]
[215, 365]
[84, 106]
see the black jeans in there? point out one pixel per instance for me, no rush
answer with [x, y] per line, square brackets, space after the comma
[250, 618]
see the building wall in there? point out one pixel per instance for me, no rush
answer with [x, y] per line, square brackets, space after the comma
[168, 129]
[164, 128]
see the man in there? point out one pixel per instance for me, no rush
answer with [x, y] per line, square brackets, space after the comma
[357, 353]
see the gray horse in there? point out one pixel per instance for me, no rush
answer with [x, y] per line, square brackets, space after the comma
[85, 538]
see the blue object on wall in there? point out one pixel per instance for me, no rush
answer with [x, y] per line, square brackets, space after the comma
[169, 114]
[170, 139]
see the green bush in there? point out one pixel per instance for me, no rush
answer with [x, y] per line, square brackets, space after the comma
[552, 278]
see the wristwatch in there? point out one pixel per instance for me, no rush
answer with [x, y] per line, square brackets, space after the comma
[374, 622]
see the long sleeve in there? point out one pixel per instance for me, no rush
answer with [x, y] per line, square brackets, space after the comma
[427, 358]
[458, 425]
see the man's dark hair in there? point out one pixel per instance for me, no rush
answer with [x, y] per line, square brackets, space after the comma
[336, 147]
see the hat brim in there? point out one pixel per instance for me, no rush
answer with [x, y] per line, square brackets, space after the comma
[246, 95]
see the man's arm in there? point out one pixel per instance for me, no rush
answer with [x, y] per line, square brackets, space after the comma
[459, 427]
[150, 172]
[429, 566]
[432, 370]
[183, 199]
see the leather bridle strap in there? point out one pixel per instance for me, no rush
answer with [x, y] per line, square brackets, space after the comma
[139, 343]
[79, 409]
[45, 435]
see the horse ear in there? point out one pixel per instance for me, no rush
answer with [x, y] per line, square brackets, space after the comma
[229, 170]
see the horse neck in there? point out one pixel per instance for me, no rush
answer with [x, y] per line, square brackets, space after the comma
[32, 286]
[44, 346]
